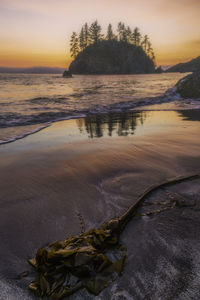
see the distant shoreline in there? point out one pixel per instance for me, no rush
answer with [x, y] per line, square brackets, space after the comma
[32, 70]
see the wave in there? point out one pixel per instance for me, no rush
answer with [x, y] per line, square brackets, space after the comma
[21, 136]
[170, 96]
[156, 103]
[79, 93]
[48, 100]
[27, 133]
[16, 119]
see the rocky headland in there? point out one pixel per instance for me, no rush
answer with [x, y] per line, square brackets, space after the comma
[112, 57]
[190, 66]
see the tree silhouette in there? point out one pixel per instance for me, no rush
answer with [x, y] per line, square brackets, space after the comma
[136, 36]
[149, 49]
[82, 39]
[122, 124]
[92, 35]
[145, 42]
[123, 32]
[86, 34]
[120, 30]
[128, 34]
[95, 33]
[74, 48]
[110, 36]
[153, 56]
[124, 36]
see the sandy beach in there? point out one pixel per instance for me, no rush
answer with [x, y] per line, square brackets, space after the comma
[100, 150]
[96, 167]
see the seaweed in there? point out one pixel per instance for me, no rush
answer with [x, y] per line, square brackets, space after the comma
[92, 259]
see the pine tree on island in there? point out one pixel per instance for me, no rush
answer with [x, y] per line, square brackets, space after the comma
[91, 37]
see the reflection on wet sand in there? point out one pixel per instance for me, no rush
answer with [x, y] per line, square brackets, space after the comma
[125, 124]
[190, 115]
[49, 179]
[121, 124]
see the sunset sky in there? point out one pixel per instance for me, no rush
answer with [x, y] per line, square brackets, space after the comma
[37, 33]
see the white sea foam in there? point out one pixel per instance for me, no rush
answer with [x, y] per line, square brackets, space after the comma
[21, 136]
[43, 99]
[35, 130]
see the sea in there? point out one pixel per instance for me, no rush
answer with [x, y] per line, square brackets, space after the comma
[31, 102]
[124, 134]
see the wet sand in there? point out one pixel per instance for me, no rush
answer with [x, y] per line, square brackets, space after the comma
[97, 167]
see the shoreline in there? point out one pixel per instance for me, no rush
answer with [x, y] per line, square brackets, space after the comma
[95, 167]
[144, 108]
[36, 104]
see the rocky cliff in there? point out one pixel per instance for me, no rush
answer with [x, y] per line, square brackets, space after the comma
[112, 57]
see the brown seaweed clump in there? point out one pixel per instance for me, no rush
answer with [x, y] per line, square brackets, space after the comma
[91, 259]
[78, 262]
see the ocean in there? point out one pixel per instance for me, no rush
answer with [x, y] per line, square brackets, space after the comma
[119, 136]
[30, 102]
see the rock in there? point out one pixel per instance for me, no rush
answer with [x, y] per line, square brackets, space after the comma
[112, 57]
[67, 74]
[189, 86]
[159, 70]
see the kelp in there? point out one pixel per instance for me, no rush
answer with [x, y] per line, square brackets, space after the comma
[90, 260]
[80, 261]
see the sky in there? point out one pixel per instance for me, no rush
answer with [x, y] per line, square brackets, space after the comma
[37, 32]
